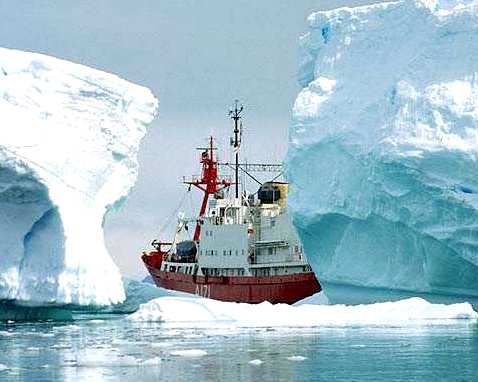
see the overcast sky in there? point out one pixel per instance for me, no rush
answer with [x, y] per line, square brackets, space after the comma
[196, 57]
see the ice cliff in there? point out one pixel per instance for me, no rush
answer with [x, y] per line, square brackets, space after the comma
[383, 155]
[69, 137]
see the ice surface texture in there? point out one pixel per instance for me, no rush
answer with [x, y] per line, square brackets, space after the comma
[384, 147]
[69, 138]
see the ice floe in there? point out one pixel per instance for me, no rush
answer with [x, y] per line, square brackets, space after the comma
[191, 312]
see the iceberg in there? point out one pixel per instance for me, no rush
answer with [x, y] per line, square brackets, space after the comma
[69, 138]
[383, 151]
[202, 312]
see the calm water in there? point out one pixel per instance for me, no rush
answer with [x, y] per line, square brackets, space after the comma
[110, 348]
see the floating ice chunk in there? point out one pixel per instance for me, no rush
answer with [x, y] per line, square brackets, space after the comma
[96, 321]
[297, 358]
[193, 312]
[155, 361]
[46, 335]
[72, 327]
[3, 367]
[161, 345]
[256, 362]
[189, 353]
[105, 358]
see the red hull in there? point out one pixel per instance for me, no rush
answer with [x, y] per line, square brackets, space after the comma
[275, 289]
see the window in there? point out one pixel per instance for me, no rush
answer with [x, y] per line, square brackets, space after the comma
[273, 222]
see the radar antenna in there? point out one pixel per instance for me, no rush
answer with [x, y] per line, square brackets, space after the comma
[236, 140]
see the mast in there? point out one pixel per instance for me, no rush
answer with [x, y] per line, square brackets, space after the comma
[236, 141]
[209, 181]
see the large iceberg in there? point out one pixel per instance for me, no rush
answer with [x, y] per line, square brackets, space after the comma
[383, 155]
[69, 138]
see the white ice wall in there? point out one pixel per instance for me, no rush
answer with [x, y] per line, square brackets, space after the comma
[69, 138]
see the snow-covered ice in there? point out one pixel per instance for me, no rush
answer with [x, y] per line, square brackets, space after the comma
[69, 139]
[192, 312]
[383, 151]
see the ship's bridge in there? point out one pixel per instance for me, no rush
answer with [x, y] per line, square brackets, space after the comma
[226, 211]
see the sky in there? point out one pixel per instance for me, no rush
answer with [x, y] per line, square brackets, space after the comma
[197, 56]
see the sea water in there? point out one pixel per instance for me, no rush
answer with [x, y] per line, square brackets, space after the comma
[107, 347]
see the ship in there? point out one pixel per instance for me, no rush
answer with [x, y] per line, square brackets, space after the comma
[244, 247]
